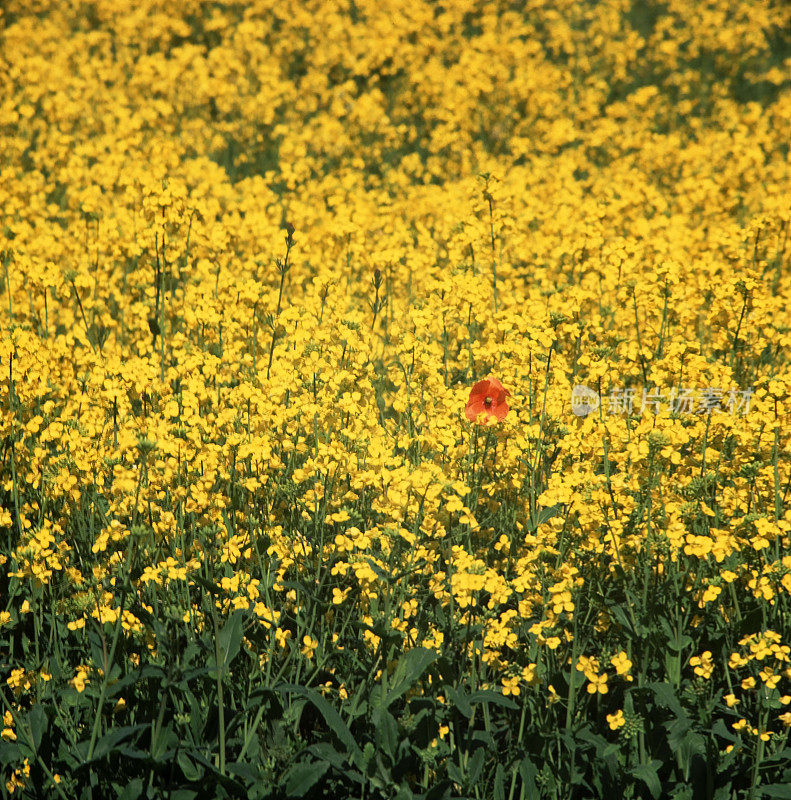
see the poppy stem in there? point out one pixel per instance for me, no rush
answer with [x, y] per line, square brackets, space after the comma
[639, 342]
[533, 488]
[378, 303]
[481, 467]
[490, 200]
[470, 360]
[283, 266]
[444, 351]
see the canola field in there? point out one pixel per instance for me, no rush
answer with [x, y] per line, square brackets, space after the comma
[394, 399]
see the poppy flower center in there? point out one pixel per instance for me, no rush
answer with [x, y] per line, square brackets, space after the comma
[487, 402]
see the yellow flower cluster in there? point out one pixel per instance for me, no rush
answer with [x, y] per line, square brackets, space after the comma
[765, 664]
[250, 272]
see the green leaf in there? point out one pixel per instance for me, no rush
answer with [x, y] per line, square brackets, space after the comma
[624, 620]
[455, 774]
[528, 773]
[676, 641]
[648, 774]
[132, 752]
[441, 791]
[132, 791]
[781, 757]
[37, 719]
[499, 783]
[197, 716]
[546, 514]
[114, 737]
[408, 669]
[690, 745]
[779, 790]
[549, 779]
[188, 767]
[665, 695]
[331, 716]
[677, 731]
[404, 792]
[247, 772]
[459, 699]
[302, 777]
[264, 697]
[386, 731]
[229, 638]
[490, 696]
[324, 751]
[183, 794]
[474, 766]
[605, 751]
[485, 738]
[11, 753]
[165, 744]
[720, 729]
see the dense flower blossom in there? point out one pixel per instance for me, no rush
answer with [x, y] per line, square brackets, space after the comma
[191, 397]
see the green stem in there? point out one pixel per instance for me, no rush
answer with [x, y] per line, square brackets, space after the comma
[105, 678]
[28, 735]
[220, 694]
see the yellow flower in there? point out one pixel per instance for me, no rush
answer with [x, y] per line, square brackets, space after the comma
[80, 680]
[597, 683]
[529, 674]
[309, 645]
[709, 595]
[616, 720]
[21, 681]
[737, 660]
[511, 686]
[731, 700]
[339, 596]
[622, 665]
[769, 677]
[8, 733]
[588, 664]
[703, 664]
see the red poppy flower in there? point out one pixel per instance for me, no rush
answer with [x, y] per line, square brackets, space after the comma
[487, 396]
